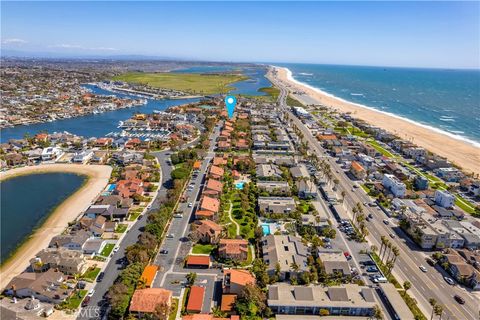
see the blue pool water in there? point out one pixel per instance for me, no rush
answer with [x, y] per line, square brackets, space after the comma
[239, 185]
[111, 187]
[266, 229]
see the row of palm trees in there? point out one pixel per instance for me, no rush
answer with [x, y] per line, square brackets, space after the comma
[386, 250]
[359, 218]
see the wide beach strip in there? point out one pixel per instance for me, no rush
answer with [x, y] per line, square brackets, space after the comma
[58, 220]
[459, 152]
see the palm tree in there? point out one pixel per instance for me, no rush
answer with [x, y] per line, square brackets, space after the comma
[407, 285]
[387, 245]
[383, 239]
[438, 310]
[433, 303]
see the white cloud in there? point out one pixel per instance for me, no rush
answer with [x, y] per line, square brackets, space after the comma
[14, 41]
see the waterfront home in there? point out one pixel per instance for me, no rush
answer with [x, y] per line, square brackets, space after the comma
[282, 251]
[74, 241]
[24, 309]
[208, 231]
[145, 301]
[334, 262]
[233, 249]
[108, 211]
[444, 199]
[115, 201]
[51, 153]
[344, 300]
[82, 156]
[129, 188]
[49, 286]
[65, 260]
[14, 159]
[283, 205]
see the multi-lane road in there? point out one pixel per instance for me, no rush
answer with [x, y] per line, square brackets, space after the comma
[425, 285]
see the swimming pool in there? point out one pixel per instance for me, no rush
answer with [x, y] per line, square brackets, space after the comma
[266, 229]
[111, 187]
[239, 185]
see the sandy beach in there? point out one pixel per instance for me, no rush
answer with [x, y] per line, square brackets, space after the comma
[68, 211]
[458, 152]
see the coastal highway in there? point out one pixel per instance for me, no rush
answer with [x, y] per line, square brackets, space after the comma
[113, 269]
[425, 285]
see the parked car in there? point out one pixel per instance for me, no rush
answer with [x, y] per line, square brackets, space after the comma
[372, 269]
[190, 204]
[459, 299]
[430, 261]
[115, 249]
[380, 279]
[386, 222]
[163, 251]
[91, 292]
[86, 301]
[170, 235]
[100, 276]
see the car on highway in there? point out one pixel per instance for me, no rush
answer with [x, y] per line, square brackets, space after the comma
[386, 222]
[449, 280]
[392, 235]
[163, 251]
[170, 235]
[177, 215]
[86, 301]
[423, 269]
[370, 216]
[459, 299]
[347, 255]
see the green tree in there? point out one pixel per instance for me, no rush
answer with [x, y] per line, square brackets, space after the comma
[191, 277]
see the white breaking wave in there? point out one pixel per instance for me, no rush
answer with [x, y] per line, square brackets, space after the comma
[305, 74]
[446, 133]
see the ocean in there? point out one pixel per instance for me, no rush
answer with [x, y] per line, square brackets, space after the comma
[446, 101]
[43, 193]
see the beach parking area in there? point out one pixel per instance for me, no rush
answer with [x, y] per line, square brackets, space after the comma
[69, 210]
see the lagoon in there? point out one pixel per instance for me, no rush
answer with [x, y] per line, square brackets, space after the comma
[27, 201]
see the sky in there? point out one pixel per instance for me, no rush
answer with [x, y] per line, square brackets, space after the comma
[409, 34]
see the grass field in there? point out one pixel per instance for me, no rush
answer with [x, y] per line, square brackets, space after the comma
[202, 248]
[121, 228]
[188, 82]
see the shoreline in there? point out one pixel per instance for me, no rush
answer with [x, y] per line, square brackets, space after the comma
[56, 220]
[458, 151]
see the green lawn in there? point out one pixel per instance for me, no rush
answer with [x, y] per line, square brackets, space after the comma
[107, 249]
[121, 228]
[380, 149]
[173, 309]
[91, 274]
[194, 83]
[135, 214]
[73, 302]
[202, 248]
[365, 188]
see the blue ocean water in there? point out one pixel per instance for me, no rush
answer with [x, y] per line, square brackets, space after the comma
[447, 100]
[19, 217]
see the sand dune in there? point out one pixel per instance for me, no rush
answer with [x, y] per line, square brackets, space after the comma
[458, 152]
[68, 211]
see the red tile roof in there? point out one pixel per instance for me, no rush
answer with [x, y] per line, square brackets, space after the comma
[146, 300]
[215, 185]
[195, 299]
[198, 260]
[216, 171]
[209, 204]
[241, 277]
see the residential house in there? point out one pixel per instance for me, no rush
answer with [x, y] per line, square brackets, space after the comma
[306, 189]
[213, 188]
[67, 261]
[73, 241]
[268, 171]
[334, 262]
[51, 153]
[235, 280]
[286, 252]
[208, 231]
[198, 262]
[49, 286]
[145, 301]
[208, 207]
[444, 199]
[195, 299]
[233, 249]
[358, 171]
[300, 172]
[344, 300]
[394, 185]
[283, 205]
[277, 188]
[216, 173]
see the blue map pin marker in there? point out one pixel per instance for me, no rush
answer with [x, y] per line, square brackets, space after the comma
[230, 102]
